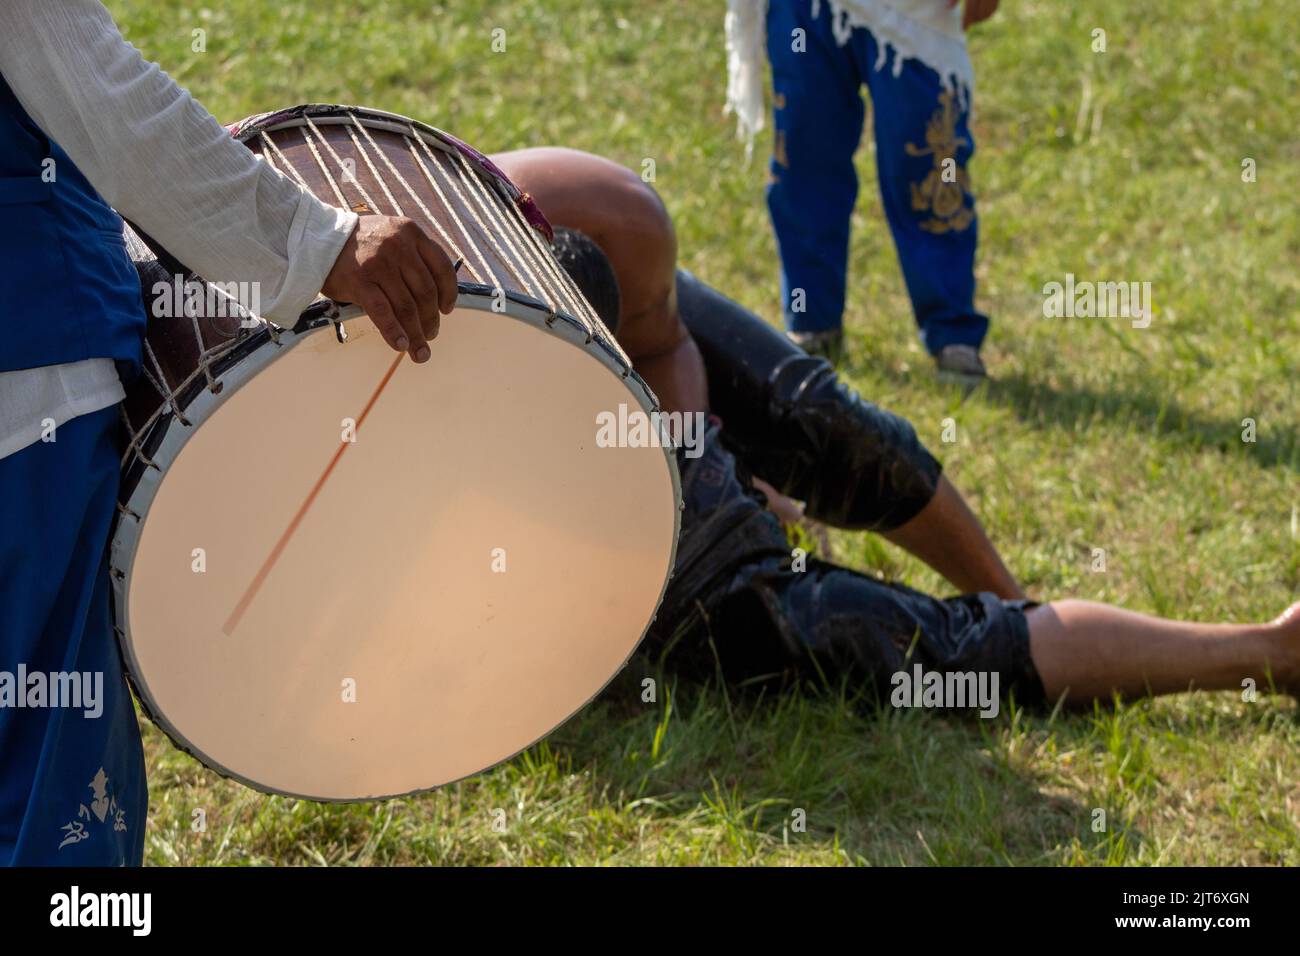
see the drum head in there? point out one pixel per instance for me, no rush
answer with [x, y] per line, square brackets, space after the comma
[434, 596]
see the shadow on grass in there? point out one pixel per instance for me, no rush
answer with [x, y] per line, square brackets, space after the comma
[1042, 406]
[867, 785]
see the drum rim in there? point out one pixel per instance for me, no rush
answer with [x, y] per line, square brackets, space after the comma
[175, 435]
[337, 114]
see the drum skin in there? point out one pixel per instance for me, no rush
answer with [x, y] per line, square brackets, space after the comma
[471, 572]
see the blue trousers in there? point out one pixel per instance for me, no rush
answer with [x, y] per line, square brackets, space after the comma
[923, 144]
[72, 779]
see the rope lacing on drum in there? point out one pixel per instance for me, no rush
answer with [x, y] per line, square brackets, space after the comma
[581, 309]
[533, 241]
[438, 225]
[134, 445]
[371, 166]
[207, 370]
[480, 188]
[450, 206]
[592, 322]
[292, 172]
[553, 289]
[469, 178]
[329, 148]
[538, 282]
[160, 383]
[428, 214]
[325, 171]
[207, 358]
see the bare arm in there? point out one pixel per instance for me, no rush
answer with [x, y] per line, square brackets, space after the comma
[947, 536]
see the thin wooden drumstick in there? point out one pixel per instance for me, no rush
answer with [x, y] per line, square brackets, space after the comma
[256, 585]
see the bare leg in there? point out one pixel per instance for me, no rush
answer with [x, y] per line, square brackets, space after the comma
[1087, 651]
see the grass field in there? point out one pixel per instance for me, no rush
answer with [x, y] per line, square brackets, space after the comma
[1125, 165]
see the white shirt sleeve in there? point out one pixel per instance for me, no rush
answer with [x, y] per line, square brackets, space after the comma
[163, 161]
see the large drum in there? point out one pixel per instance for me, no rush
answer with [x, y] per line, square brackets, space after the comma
[340, 575]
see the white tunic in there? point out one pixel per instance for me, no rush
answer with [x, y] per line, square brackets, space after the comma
[163, 161]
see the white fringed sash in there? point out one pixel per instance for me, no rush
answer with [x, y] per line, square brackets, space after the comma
[925, 30]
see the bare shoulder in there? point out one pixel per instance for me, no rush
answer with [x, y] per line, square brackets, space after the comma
[625, 217]
[585, 191]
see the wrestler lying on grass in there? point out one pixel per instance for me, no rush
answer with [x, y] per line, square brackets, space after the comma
[780, 419]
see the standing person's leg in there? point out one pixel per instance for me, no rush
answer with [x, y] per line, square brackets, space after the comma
[923, 146]
[72, 784]
[818, 116]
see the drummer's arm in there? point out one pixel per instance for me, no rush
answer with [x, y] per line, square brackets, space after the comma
[163, 161]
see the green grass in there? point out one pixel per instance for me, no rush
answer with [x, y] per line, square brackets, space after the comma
[1123, 165]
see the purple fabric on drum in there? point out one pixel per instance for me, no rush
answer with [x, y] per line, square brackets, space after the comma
[473, 154]
[240, 129]
[536, 218]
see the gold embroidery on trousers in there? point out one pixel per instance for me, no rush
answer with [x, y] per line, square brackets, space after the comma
[778, 149]
[778, 144]
[944, 198]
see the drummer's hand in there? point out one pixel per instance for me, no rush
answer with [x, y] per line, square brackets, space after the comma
[400, 276]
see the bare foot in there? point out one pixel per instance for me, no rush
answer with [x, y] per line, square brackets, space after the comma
[1289, 620]
[1288, 626]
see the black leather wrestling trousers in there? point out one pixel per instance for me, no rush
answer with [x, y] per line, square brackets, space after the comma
[792, 422]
